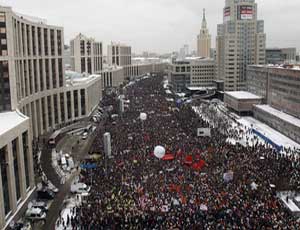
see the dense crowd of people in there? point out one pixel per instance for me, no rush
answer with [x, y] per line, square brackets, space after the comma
[136, 190]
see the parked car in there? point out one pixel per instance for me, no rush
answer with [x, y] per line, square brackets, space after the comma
[35, 214]
[84, 136]
[20, 225]
[45, 194]
[38, 204]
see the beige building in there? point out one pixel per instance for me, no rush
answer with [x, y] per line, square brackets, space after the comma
[118, 54]
[112, 76]
[35, 98]
[204, 39]
[240, 42]
[86, 55]
[192, 72]
[16, 164]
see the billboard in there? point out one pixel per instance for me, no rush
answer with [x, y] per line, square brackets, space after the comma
[226, 14]
[245, 12]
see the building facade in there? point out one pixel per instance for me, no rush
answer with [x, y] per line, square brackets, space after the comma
[277, 56]
[204, 40]
[240, 42]
[35, 98]
[16, 164]
[194, 72]
[278, 86]
[118, 54]
[86, 55]
[112, 76]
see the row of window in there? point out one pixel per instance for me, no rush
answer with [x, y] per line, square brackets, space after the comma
[31, 40]
[44, 109]
[16, 164]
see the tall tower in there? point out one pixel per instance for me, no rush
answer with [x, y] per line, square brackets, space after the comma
[204, 39]
[240, 42]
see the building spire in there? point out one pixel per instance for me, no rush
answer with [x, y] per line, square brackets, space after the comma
[204, 24]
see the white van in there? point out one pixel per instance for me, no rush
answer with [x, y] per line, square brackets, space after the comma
[35, 214]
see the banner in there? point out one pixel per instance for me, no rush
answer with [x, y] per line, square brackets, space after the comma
[203, 132]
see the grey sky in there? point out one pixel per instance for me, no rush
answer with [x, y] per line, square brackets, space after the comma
[157, 25]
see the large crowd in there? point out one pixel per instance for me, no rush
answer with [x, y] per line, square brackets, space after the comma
[136, 190]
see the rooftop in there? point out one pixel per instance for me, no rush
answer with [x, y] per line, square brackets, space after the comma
[9, 120]
[74, 78]
[284, 66]
[281, 115]
[242, 95]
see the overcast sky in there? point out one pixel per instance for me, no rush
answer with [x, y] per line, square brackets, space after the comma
[157, 25]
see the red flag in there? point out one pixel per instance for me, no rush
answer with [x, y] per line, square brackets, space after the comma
[188, 160]
[168, 157]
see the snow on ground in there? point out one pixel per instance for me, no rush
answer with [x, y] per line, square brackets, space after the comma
[61, 222]
[269, 132]
[290, 203]
[245, 124]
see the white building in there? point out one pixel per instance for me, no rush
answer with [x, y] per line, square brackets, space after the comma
[35, 98]
[86, 55]
[118, 54]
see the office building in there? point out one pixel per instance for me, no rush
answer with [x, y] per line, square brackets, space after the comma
[204, 39]
[277, 56]
[35, 98]
[192, 72]
[118, 54]
[279, 86]
[240, 42]
[86, 55]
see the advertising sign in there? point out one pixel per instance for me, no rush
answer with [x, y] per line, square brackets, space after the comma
[226, 14]
[245, 12]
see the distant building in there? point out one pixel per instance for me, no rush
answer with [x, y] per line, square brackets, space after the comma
[86, 55]
[240, 42]
[277, 56]
[118, 54]
[183, 52]
[192, 72]
[204, 39]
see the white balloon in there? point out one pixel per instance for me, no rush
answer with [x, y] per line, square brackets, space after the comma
[159, 151]
[143, 116]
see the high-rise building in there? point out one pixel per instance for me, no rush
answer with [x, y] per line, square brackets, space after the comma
[86, 55]
[118, 54]
[35, 98]
[183, 52]
[204, 39]
[240, 42]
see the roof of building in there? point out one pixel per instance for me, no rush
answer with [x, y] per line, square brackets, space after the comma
[195, 88]
[9, 120]
[243, 95]
[283, 67]
[75, 78]
[281, 115]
